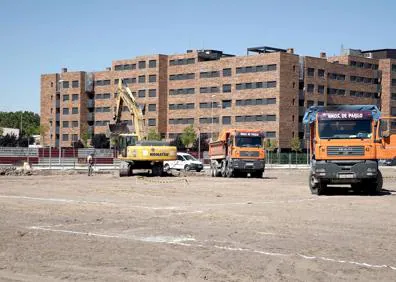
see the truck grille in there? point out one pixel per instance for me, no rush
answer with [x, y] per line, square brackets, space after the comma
[249, 154]
[345, 151]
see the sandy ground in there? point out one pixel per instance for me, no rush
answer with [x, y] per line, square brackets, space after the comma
[106, 228]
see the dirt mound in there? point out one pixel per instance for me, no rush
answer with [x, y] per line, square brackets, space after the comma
[14, 171]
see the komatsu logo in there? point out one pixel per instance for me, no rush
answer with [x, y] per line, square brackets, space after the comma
[159, 154]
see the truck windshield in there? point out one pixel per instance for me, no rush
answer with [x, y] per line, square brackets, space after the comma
[345, 129]
[248, 141]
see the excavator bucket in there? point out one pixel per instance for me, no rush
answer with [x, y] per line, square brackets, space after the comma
[118, 128]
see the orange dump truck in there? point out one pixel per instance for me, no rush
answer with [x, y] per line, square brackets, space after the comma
[238, 152]
[346, 143]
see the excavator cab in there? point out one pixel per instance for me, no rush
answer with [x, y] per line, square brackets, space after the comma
[125, 140]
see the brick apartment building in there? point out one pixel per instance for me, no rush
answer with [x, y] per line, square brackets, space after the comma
[269, 88]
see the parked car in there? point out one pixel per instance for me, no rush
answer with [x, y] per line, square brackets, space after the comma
[184, 162]
[390, 162]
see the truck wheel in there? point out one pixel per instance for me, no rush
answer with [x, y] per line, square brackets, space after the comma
[166, 167]
[229, 172]
[375, 187]
[223, 170]
[124, 172]
[257, 174]
[157, 170]
[186, 168]
[316, 187]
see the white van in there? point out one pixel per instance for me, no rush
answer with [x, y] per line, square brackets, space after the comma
[184, 162]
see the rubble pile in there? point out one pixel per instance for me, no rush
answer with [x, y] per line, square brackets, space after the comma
[13, 171]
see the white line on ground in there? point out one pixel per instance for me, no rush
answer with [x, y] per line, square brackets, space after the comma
[180, 240]
[71, 201]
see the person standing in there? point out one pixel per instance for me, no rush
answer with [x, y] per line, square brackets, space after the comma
[90, 164]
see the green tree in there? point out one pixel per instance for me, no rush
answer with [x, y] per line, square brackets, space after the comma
[295, 145]
[270, 146]
[1, 131]
[100, 141]
[188, 136]
[178, 143]
[84, 138]
[30, 121]
[153, 135]
[43, 129]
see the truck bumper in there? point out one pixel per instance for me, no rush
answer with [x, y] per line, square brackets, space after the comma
[350, 171]
[247, 165]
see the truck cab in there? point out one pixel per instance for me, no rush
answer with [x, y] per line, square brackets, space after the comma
[346, 143]
[238, 152]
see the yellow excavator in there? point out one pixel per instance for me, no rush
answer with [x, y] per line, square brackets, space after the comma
[133, 151]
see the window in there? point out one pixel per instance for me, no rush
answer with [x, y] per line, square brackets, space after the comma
[321, 73]
[65, 137]
[152, 107]
[310, 88]
[65, 111]
[182, 76]
[227, 72]
[98, 109]
[393, 111]
[74, 110]
[74, 123]
[271, 117]
[74, 137]
[254, 85]
[152, 64]
[176, 62]
[152, 78]
[321, 89]
[310, 103]
[75, 97]
[142, 79]
[209, 120]
[271, 101]
[106, 109]
[320, 103]
[393, 96]
[310, 71]
[142, 64]
[152, 122]
[271, 84]
[75, 84]
[106, 95]
[226, 120]
[152, 92]
[65, 84]
[65, 124]
[142, 93]
[226, 88]
[181, 91]
[259, 68]
[209, 74]
[393, 82]
[270, 134]
[226, 104]
[65, 97]
[209, 89]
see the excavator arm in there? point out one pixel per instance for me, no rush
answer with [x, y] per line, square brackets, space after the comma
[125, 97]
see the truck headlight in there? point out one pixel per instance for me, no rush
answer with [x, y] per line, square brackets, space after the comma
[320, 170]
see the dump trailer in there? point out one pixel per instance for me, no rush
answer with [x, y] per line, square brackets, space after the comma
[133, 151]
[238, 152]
[346, 143]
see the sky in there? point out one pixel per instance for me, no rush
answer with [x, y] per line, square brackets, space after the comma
[42, 36]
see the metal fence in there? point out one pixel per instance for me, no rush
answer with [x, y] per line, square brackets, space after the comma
[287, 158]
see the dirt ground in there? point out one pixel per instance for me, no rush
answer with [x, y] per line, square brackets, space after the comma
[106, 228]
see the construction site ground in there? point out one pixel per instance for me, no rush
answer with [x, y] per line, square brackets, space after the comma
[106, 228]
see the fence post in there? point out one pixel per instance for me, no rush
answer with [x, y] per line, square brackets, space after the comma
[63, 161]
[50, 157]
[289, 160]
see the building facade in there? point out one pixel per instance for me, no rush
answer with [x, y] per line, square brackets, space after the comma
[269, 89]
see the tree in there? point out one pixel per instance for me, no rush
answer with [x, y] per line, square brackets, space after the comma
[84, 138]
[100, 141]
[204, 143]
[188, 136]
[295, 145]
[43, 129]
[30, 121]
[270, 145]
[153, 135]
[1, 131]
[77, 144]
[178, 143]
[9, 140]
